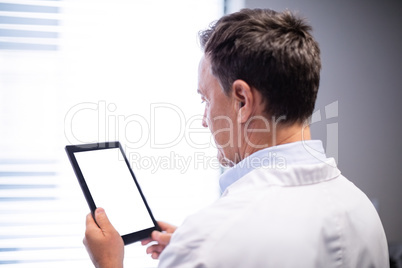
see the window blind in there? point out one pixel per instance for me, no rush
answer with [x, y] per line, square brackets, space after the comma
[116, 60]
[29, 26]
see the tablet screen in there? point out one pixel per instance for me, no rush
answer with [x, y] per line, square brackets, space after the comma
[112, 187]
[108, 182]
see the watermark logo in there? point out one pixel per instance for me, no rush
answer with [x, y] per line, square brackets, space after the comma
[330, 114]
[135, 131]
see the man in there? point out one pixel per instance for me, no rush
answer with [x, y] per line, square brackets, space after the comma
[284, 204]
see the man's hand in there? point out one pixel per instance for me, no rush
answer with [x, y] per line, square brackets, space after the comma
[104, 244]
[162, 239]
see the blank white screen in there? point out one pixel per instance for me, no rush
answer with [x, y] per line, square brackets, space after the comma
[113, 188]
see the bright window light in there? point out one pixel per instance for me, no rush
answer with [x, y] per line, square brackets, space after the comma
[82, 71]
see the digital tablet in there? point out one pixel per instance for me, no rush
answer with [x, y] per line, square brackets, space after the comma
[107, 181]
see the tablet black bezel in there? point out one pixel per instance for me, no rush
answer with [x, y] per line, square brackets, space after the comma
[71, 149]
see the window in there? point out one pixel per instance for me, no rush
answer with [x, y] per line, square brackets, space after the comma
[76, 72]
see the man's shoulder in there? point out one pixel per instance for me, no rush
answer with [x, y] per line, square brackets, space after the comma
[313, 223]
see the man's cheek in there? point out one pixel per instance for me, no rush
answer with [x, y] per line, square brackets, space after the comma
[223, 133]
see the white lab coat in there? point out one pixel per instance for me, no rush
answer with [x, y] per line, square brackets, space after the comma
[303, 215]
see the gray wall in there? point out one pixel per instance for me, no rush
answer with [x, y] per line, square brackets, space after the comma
[361, 44]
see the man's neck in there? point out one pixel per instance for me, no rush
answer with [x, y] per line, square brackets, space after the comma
[278, 135]
[291, 134]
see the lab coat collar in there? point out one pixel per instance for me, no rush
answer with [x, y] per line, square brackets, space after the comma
[280, 158]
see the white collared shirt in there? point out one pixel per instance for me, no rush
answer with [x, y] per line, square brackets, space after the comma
[288, 206]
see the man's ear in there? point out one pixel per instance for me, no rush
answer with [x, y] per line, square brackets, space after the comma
[244, 100]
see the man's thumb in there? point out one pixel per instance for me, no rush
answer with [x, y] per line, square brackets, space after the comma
[101, 219]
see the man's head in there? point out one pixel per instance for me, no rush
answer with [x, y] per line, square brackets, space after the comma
[260, 70]
[272, 52]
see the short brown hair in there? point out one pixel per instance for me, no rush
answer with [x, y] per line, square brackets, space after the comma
[273, 52]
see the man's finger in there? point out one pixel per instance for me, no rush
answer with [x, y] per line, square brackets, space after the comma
[146, 241]
[101, 219]
[155, 255]
[161, 238]
[89, 219]
[166, 227]
[91, 225]
[155, 248]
